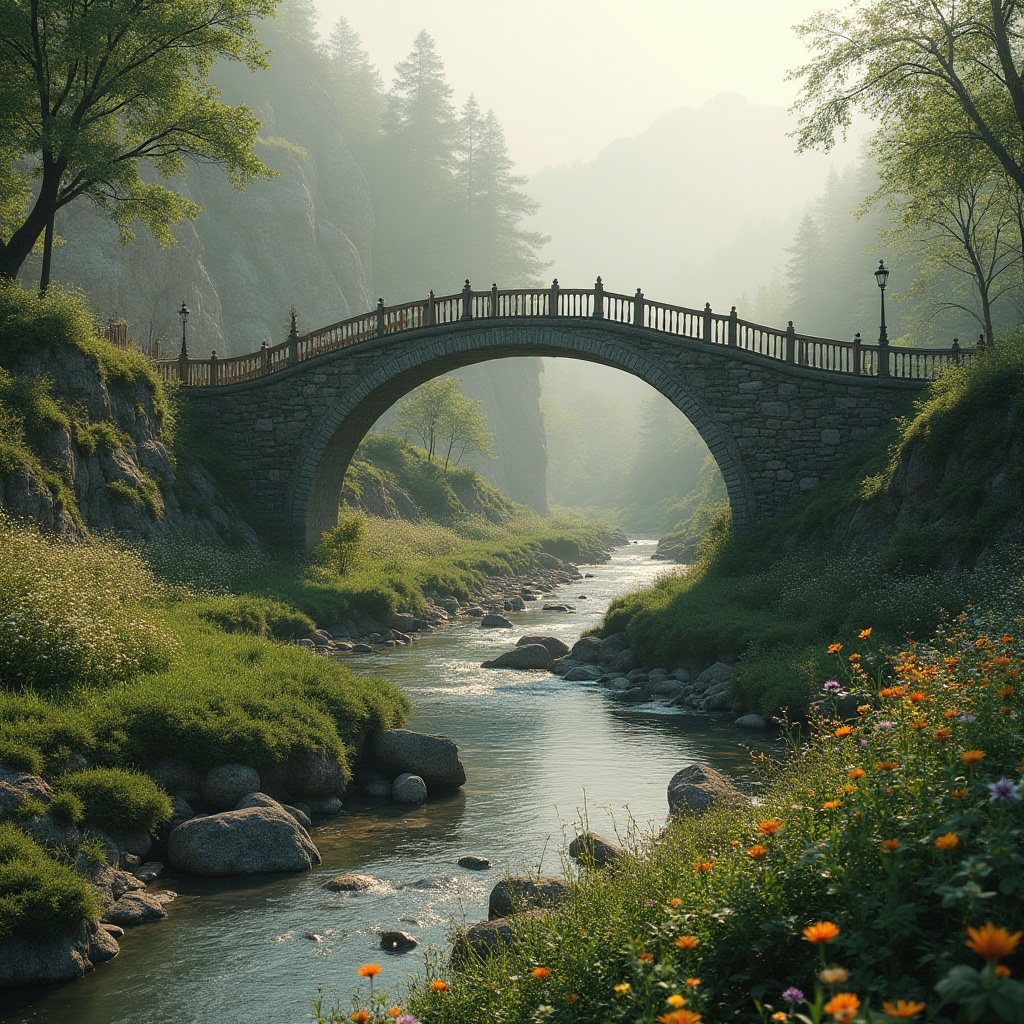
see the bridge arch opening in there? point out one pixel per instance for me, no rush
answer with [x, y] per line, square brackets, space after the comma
[332, 442]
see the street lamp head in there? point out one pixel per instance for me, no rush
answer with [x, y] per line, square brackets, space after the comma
[183, 313]
[882, 274]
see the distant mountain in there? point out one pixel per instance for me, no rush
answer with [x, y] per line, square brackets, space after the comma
[667, 210]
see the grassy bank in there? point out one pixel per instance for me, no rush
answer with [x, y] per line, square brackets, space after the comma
[857, 889]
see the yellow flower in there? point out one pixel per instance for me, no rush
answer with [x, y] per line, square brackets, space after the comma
[692, 982]
[540, 973]
[822, 931]
[843, 730]
[972, 756]
[369, 971]
[834, 648]
[902, 1009]
[687, 942]
[843, 1006]
[675, 1000]
[622, 988]
[571, 997]
[948, 841]
[991, 942]
[864, 634]
[757, 851]
[830, 805]
[958, 794]
[854, 658]
[834, 975]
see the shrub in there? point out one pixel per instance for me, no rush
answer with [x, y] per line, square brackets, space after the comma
[338, 547]
[261, 616]
[17, 754]
[68, 807]
[118, 799]
[39, 897]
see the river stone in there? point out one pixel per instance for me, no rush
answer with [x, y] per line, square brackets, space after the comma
[397, 942]
[324, 805]
[378, 788]
[247, 842]
[149, 872]
[474, 863]
[135, 908]
[586, 650]
[589, 848]
[308, 775]
[583, 674]
[697, 787]
[714, 676]
[495, 621]
[515, 894]
[546, 561]
[435, 759]
[527, 656]
[409, 789]
[17, 786]
[557, 648]
[26, 961]
[225, 785]
[49, 830]
[634, 695]
[262, 800]
[350, 882]
[750, 721]
[483, 938]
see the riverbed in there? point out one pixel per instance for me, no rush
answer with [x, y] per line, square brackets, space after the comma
[542, 755]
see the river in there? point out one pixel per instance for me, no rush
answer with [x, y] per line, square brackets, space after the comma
[541, 755]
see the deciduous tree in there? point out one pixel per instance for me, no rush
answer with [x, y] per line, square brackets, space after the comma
[445, 421]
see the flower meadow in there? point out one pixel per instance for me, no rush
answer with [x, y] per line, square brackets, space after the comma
[877, 876]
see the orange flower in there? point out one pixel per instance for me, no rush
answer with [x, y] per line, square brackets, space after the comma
[821, 931]
[843, 1006]
[769, 826]
[854, 658]
[540, 973]
[991, 942]
[1007, 639]
[680, 1017]
[972, 756]
[734, 842]
[687, 942]
[830, 805]
[917, 697]
[856, 773]
[369, 970]
[675, 1000]
[942, 734]
[395, 1011]
[360, 1016]
[675, 902]
[1006, 691]
[1002, 971]
[892, 691]
[779, 1015]
[844, 730]
[438, 985]
[886, 766]
[947, 841]
[864, 634]
[958, 794]
[692, 982]
[890, 845]
[757, 851]
[645, 956]
[902, 1009]
[951, 713]
[702, 867]
[834, 648]
[863, 709]
[918, 724]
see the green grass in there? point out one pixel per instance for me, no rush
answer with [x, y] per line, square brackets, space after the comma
[115, 799]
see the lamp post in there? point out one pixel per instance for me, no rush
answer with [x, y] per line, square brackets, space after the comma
[882, 276]
[183, 315]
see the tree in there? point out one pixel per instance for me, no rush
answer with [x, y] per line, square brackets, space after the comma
[445, 421]
[89, 91]
[356, 85]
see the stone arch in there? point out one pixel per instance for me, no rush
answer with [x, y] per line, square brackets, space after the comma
[317, 480]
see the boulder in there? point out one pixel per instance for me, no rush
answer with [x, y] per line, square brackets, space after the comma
[397, 942]
[324, 805]
[718, 673]
[435, 759]
[247, 842]
[495, 621]
[262, 800]
[591, 849]
[17, 786]
[378, 789]
[527, 656]
[634, 695]
[135, 908]
[311, 775]
[546, 561]
[583, 674]
[586, 650]
[512, 895]
[44, 961]
[750, 721]
[409, 789]
[558, 608]
[49, 830]
[351, 882]
[613, 645]
[175, 776]
[474, 863]
[225, 785]
[697, 787]
[626, 661]
[556, 648]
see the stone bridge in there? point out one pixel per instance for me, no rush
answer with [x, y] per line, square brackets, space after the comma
[777, 409]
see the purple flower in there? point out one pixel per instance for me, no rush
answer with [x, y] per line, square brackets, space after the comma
[863, 743]
[831, 687]
[407, 1018]
[883, 726]
[793, 995]
[1003, 791]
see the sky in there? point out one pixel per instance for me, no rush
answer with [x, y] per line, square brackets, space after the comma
[566, 77]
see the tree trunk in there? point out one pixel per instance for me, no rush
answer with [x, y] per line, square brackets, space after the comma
[44, 274]
[21, 243]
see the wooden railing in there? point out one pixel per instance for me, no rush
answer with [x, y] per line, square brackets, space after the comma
[851, 358]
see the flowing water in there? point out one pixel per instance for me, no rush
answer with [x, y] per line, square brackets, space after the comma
[541, 755]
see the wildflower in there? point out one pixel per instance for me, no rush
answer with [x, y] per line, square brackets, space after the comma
[734, 842]
[918, 724]
[843, 1006]
[571, 998]
[863, 709]
[856, 773]
[1002, 971]
[793, 995]
[886, 766]
[769, 826]
[1007, 639]
[702, 867]
[902, 1009]
[622, 988]
[854, 658]
[359, 1016]
[834, 648]
[822, 931]
[941, 735]
[958, 794]
[757, 851]
[674, 902]
[1006, 691]
[890, 845]
[991, 942]
[369, 971]
[687, 942]
[680, 1017]
[830, 805]
[917, 697]
[1003, 791]
[438, 985]
[864, 634]
[692, 982]
[540, 973]
[831, 686]
[408, 1018]
[779, 1015]
[972, 756]
[642, 957]
[844, 730]
[395, 1011]
[892, 691]
[951, 713]
[675, 1000]
[884, 726]
[947, 841]
[834, 975]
